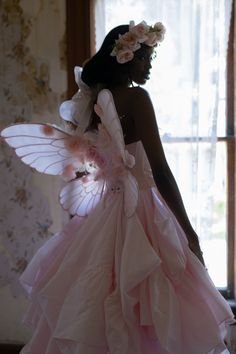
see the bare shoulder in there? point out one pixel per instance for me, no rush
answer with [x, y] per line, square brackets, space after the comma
[131, 94]
[141, 104]
[139, 93]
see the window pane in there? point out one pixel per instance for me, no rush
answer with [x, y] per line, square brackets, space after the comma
[187, 87]
[188, 77]
[191, 165]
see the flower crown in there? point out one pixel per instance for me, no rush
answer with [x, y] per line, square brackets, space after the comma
[129, 42]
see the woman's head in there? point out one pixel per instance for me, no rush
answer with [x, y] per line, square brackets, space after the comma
[102, 67]
[124, 56]
[140, 66]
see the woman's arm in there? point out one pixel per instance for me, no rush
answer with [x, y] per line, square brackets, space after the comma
[147, 131]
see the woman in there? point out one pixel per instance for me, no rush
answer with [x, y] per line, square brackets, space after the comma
[126, 275]
[134, 104]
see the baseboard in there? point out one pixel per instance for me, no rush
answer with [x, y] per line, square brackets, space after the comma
[10, 348]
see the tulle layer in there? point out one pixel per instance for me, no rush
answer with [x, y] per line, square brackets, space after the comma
[111, 284]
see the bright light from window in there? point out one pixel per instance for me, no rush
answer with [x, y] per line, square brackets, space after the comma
[187, 87]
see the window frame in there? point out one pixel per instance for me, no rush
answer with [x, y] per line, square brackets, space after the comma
[79, 37]
[231, 156]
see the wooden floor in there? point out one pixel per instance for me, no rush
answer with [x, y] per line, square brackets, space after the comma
[15, 349]
[10, 348]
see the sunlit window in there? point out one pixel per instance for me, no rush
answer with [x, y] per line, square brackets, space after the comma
[187, 87]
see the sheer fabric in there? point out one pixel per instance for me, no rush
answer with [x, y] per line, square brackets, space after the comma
[187, 87]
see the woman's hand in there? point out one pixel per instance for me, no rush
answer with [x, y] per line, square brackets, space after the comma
[194, 246]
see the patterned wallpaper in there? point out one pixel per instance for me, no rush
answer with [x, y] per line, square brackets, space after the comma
[32, 83]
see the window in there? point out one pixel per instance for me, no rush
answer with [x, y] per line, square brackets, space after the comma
[188, 89]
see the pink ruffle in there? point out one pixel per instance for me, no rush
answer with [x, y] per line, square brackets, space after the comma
[112, 284]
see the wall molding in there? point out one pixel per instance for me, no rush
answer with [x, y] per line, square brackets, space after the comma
[6, 348]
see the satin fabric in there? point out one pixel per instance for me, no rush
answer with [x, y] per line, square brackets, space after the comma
[112, 284]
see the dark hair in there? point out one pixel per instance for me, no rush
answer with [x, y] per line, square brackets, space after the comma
[103, 68]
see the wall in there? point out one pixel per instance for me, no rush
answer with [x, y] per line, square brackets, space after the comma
[32, 85]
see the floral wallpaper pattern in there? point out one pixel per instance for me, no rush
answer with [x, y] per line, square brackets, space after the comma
[24, 218]
[25, 90]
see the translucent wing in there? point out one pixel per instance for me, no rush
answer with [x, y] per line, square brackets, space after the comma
[82, 195]
[106, 110]
[41, 146]
[130, 195]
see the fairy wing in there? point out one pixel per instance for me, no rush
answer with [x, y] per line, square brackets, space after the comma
[130, 195]
[82, 195]
[51, 150]
[107, 112]
[41, 146]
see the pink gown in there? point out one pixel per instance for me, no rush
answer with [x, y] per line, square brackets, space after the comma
[109, 283]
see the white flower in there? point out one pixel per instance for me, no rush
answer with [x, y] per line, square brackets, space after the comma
[160, 37]
[152, 39]
[159, 27]
[129, 42]
[140, 30]
[123, 56]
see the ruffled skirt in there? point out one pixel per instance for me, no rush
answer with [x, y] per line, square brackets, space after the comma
[117, 285]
